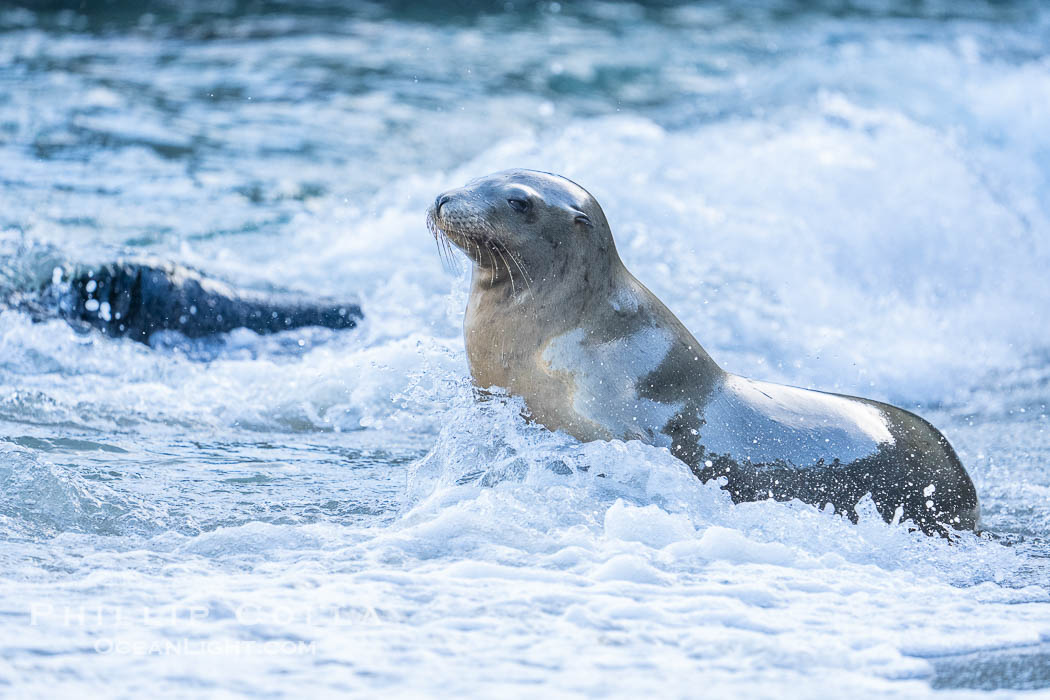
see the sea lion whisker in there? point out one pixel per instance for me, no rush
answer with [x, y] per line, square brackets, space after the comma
[510, 273]
[494, 242]
[451, 253]
[492, 277]
[442, 242]
[448, 257]
[524, 275]
[441, 251]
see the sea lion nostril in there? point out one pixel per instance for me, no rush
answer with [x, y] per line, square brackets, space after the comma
[442, 199]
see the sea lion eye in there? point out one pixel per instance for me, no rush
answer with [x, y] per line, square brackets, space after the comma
[518, 204]
[582, 219]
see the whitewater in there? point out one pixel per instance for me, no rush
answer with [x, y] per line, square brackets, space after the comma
[854, 201]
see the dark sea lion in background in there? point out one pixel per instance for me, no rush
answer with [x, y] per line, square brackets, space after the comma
[135, 300]
[556, 318]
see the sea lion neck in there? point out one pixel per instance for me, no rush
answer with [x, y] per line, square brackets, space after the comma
[607, 302]
[567, 284]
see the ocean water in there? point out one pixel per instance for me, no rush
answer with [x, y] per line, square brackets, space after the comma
[853, 197]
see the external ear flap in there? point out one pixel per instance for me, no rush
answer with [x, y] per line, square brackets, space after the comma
[583, 219]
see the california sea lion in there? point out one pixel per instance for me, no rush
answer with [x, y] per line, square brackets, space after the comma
[137, 299]
[556, 318]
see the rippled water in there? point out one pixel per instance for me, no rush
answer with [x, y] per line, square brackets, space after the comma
[851, 198]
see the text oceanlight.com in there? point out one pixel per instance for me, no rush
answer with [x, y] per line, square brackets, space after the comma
[101, 616]
[194, 630]
[199, 647]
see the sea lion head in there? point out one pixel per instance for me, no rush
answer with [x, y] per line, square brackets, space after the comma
[523, 225]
